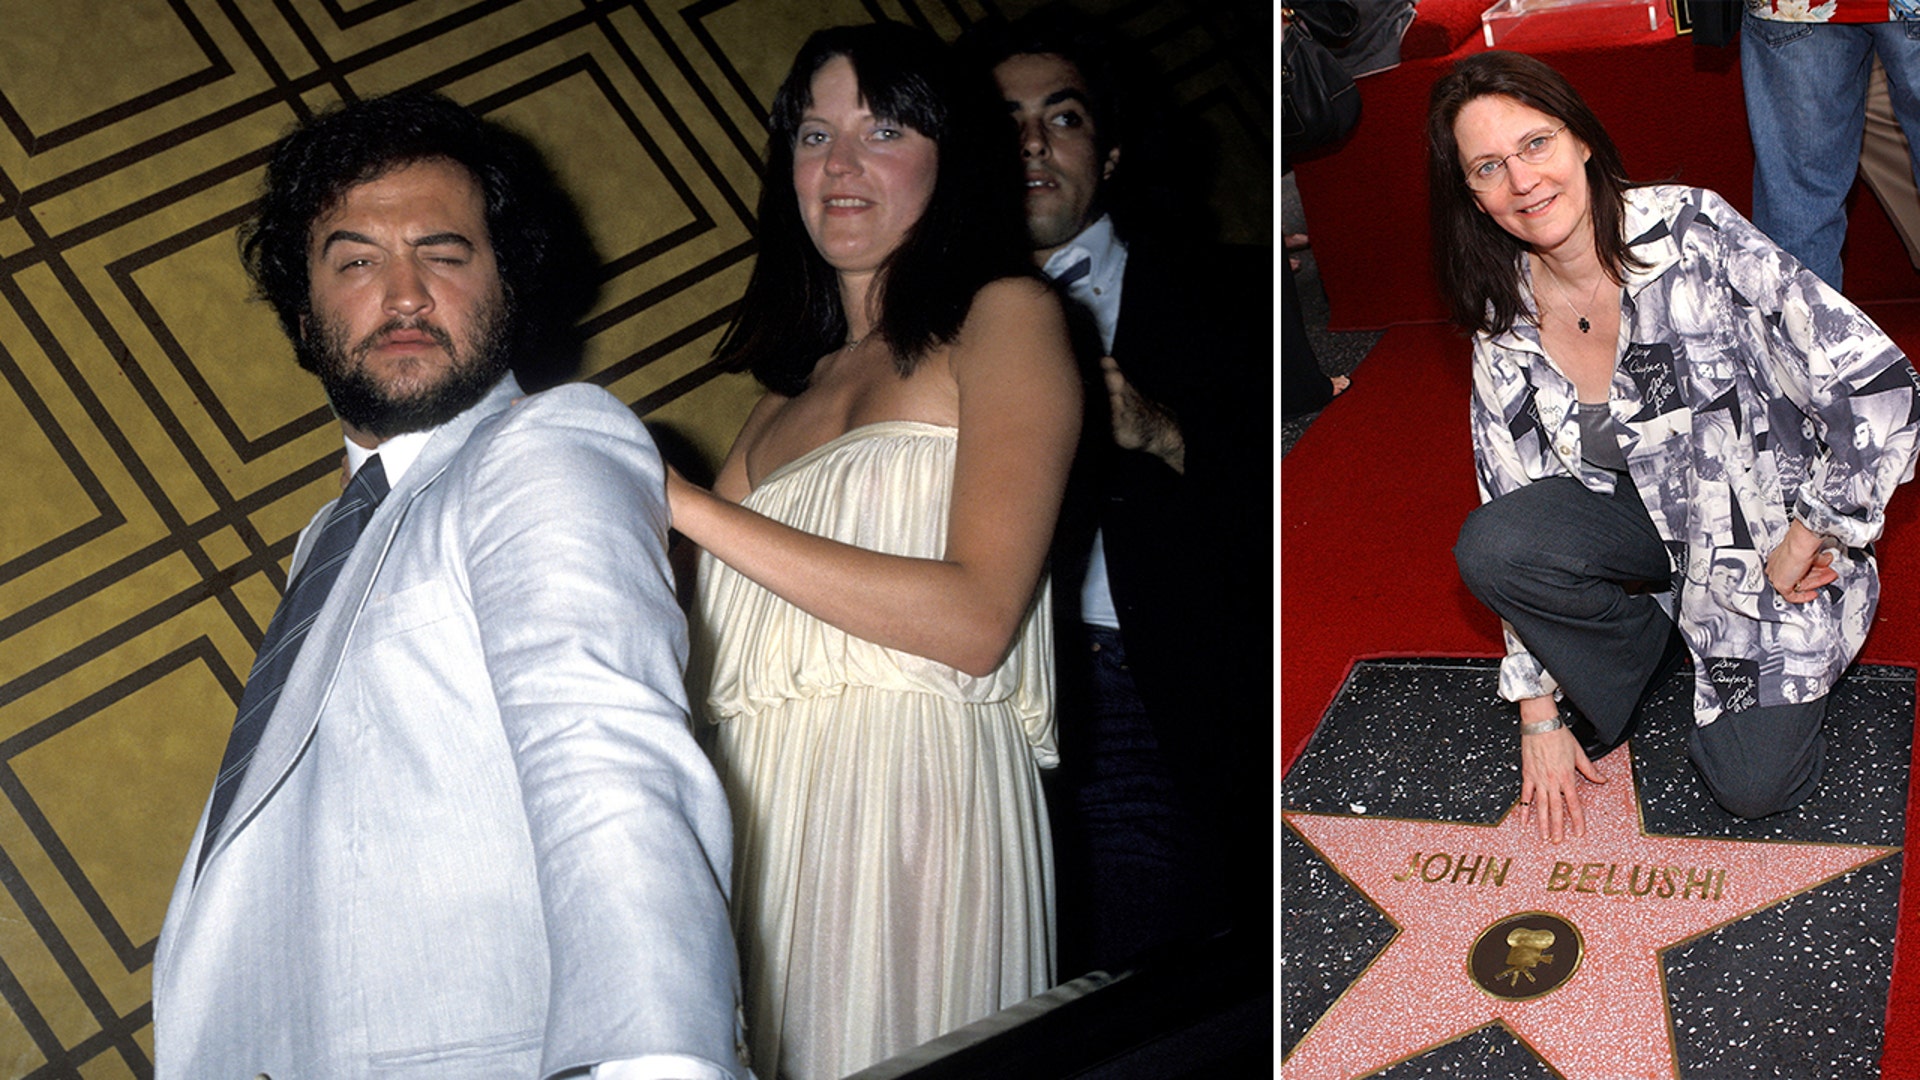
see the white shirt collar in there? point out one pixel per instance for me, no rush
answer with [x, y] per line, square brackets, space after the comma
[396, 454]
[1099, 290]
[1097, 242]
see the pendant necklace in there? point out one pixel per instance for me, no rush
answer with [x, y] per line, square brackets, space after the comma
[1584, 325]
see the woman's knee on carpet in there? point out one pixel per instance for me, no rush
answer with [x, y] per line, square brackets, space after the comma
[1763, 760]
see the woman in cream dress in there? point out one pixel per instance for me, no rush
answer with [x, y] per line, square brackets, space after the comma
[873, 646]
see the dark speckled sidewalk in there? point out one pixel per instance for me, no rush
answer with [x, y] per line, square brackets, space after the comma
[1796, 989]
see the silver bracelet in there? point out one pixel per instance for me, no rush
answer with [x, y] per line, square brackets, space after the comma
[1541, 727]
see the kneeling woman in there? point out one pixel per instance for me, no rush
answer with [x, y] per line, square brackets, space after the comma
[1673, 423]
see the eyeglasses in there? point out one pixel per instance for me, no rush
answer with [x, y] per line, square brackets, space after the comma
[1490, 173]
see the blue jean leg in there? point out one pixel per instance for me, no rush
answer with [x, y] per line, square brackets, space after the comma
[1806, 94]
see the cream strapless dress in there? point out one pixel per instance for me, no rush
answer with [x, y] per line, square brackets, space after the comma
[892, 875]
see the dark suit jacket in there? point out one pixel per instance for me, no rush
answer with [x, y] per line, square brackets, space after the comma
[1189, 557]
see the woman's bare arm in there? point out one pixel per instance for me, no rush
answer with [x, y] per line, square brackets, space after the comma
[1019, 403]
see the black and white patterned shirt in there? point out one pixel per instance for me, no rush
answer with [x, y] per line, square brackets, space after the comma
[1748, 394]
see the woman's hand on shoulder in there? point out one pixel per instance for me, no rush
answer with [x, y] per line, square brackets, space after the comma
[686, 500]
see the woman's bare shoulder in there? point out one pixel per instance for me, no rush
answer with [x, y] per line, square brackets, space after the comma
[1021, 304]
[1016, 291]
[1015, 343]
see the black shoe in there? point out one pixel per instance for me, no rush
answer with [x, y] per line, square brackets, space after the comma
[1590, 741]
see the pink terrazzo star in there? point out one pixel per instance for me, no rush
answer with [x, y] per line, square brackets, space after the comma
[1630, 895]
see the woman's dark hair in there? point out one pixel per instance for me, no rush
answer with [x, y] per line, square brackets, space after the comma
[1475, 260]
[973, 230]
[544, 258]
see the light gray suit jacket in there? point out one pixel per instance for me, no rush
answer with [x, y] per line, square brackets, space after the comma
[477, 838]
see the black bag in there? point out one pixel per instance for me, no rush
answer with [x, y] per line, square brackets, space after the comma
[1331, 22]
[1319, 104]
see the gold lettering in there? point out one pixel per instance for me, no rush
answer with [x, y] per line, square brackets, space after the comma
[1413, 867]
[1721, 885]
[1441, 867]
[1589, 878]
[1633, 880]
[1608, 889]
[1694, 878]
[1562, 877]
[1462, 866]
[1667, 874]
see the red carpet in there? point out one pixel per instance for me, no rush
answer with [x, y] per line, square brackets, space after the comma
[1371, 499]
[1675, 109]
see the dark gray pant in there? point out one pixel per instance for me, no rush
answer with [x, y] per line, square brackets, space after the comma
[1575, 574]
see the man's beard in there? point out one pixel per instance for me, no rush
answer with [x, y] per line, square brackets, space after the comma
[363, 403]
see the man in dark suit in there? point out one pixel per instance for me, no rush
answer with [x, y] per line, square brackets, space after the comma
[1161, 564]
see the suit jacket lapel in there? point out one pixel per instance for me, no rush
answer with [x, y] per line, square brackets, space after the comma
[311, 681]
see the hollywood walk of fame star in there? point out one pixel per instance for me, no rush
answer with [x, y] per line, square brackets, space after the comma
[1628, 894]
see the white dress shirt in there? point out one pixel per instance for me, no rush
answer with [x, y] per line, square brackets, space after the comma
[1099, 293]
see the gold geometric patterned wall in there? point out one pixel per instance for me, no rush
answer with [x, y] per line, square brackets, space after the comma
[159, 450]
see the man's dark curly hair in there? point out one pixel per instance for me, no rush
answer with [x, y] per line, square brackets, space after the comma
[535, 232]
[1128, 100]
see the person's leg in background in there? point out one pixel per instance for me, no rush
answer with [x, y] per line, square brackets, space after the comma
[1806, 87]
[1888, 156]
[1304, 388]
[1887, 164]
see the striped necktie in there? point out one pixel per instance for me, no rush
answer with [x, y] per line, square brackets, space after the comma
[287, 630]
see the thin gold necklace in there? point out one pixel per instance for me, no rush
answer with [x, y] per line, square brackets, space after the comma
[1583, 322]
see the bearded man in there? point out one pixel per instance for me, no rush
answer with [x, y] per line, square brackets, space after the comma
[461, 827]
